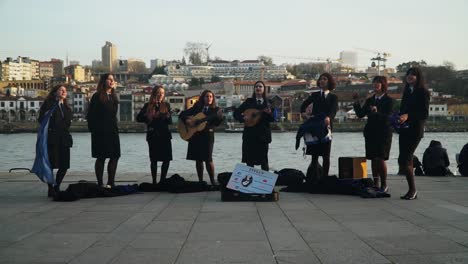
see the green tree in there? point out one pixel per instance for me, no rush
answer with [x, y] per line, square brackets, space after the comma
[215, 78]
[194, 82]
[403, 67]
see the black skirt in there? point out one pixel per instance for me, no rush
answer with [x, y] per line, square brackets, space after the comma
[378, 147]
[105, 145]
[59, 156]
[407, 145]
[160, 149]
[254, 152]
[200, 146]
[321, 149]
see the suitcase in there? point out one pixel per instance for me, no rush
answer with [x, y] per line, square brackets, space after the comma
[228, 195]
[352, 167]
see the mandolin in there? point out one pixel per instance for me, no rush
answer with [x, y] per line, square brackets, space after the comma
[253, 116]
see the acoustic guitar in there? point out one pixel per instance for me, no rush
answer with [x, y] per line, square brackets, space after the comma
[200, 120]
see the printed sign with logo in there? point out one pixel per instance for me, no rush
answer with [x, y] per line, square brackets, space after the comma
[250, 180]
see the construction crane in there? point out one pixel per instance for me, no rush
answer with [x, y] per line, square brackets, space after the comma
[380, 57]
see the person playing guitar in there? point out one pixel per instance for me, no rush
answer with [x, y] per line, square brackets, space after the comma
[256, 115]
[200, 146]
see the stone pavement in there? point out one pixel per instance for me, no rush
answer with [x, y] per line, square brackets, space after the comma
[199, 228]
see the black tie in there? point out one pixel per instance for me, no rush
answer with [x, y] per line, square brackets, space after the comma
[61, 109]
[323, 96]
[205, 110]
[259, 102]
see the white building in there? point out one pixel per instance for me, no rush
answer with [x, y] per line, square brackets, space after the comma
[78, 105]
[438, 110]
[157, 63]
[19, 108]
[349, 58]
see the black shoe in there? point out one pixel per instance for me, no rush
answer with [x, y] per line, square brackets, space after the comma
[384, 189]
[410, 197]
[51, 192]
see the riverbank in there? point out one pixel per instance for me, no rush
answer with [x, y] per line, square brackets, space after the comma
[134, 127]
[199, 228]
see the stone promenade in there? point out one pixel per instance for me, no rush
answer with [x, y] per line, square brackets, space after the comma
[199, 228]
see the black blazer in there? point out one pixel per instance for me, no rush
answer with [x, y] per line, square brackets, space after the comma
[378, 123]
[329, 106]
[261, 131]
[416, 105]
[158, 127]
[58, 131]
[102, 117]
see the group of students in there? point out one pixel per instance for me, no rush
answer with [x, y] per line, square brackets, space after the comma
[156, 114]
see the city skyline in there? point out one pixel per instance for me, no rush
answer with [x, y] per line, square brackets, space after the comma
[417, 30]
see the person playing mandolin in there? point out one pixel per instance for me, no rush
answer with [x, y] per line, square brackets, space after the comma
[200, 147]
[256, 115]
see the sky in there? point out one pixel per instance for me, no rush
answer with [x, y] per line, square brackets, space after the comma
[435, 31]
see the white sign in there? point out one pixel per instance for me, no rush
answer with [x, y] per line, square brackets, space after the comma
[250, 180]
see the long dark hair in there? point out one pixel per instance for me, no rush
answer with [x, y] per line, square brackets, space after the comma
[101, 89]
[264, 95]
[331, 81]
[383, 81]
[51, 99]
[152, 100]
[420, 82]
[201, 101]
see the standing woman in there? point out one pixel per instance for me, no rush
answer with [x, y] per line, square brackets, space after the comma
[414, 110]
[256, 138]
[157, 116]
[200, 146]
[102, 123]
[378, 131]
[59, 140]
[325, 103]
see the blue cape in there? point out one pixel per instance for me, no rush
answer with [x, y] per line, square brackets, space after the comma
[42, 167]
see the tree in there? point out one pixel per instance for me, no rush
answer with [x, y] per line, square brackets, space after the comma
[196, 52]
[159, 70]
[215, 78]
[403, 67]
[268, 61]
[183, 61]
[194, 82]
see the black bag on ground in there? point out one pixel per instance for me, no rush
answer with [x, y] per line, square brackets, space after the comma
[84, 189]
[289, 176]
[223, 178]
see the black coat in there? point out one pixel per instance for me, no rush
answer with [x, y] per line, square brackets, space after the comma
[416, 105]
[378, 129]
[329, 106]
[378, 123]
[261, 131]
[158, 127]
[435, 156]
[102, 123]
[102, 116]
[200, 147]
[59, 140]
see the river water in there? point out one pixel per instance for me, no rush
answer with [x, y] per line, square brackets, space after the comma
[18, 150]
